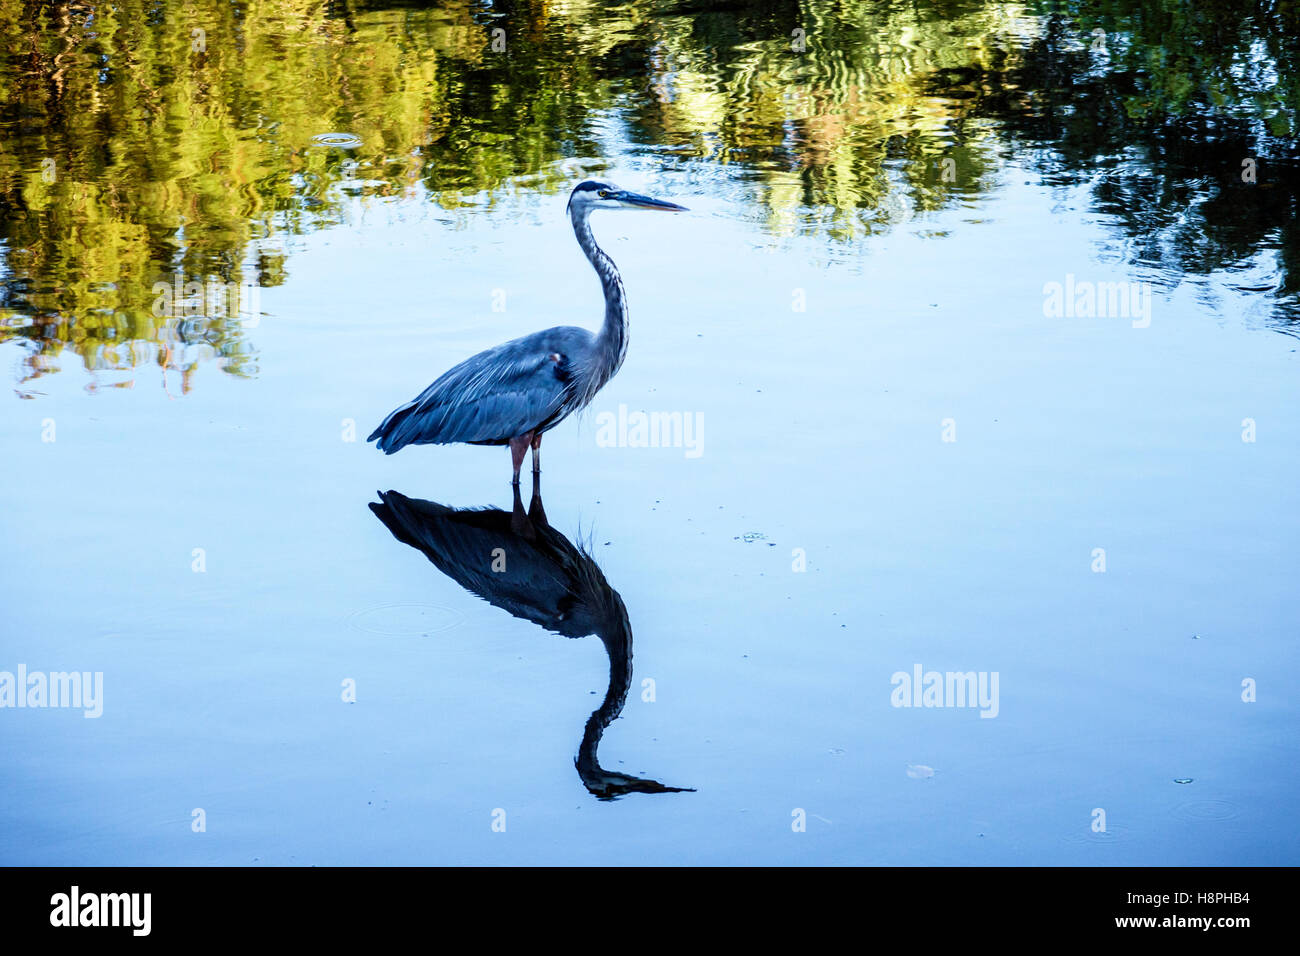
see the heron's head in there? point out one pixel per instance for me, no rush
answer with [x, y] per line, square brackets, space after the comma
[593, 194]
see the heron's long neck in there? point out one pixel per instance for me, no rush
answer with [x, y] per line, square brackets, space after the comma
[611, 342]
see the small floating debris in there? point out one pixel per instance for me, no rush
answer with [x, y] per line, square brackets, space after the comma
[919, 771]
[1182, 779]
[338, 140]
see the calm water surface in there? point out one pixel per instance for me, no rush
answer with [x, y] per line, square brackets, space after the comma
[902, 457]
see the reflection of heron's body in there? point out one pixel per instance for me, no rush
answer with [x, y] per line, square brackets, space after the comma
[521, 564]
[513, 393]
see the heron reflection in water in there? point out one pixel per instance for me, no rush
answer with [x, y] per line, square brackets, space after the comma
[546, 580]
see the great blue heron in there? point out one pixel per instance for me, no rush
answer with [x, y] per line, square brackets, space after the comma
[519, 563]
[512, 394]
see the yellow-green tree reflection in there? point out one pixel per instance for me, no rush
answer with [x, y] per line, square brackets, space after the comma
[147, 142]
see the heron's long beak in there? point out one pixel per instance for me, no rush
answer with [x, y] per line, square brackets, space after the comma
[637, 201]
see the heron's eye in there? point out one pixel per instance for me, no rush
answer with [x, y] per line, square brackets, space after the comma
[603, 193]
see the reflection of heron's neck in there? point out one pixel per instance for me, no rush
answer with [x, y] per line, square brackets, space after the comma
[618, 644]
[611, 343]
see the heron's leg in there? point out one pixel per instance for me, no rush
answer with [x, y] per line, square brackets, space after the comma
[519, 448]
[537, 455]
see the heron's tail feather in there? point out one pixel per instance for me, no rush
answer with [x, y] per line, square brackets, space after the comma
[397, 430]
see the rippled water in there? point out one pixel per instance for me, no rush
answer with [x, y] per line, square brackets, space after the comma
[226, 254]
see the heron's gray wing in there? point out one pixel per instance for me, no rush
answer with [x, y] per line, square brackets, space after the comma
[493, 396]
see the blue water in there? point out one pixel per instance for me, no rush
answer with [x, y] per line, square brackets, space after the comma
[914, 470]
